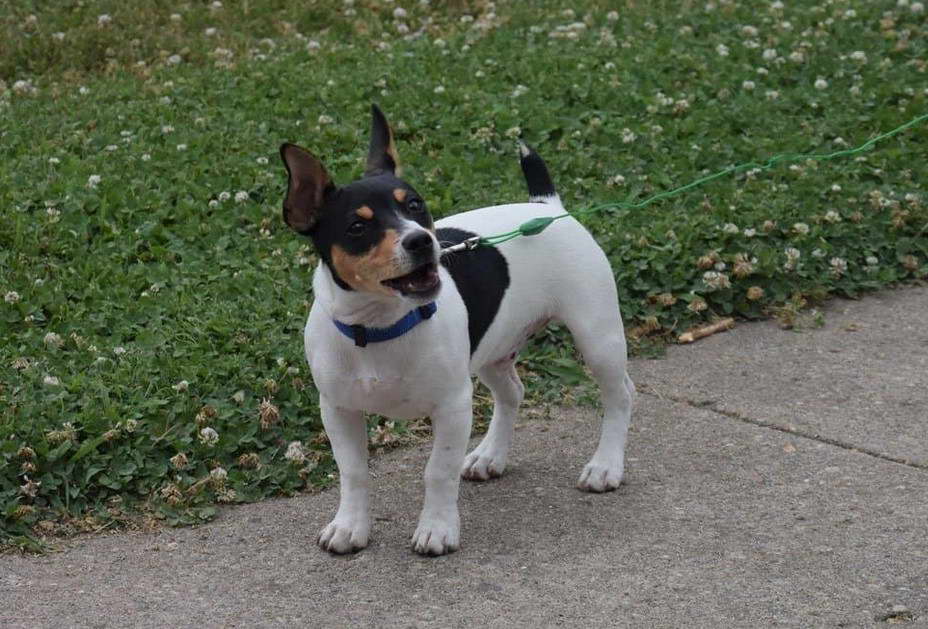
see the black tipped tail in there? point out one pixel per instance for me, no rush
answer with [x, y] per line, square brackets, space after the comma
[540, 187]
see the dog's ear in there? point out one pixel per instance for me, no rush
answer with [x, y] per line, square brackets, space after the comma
[381, 158]
[306, 189]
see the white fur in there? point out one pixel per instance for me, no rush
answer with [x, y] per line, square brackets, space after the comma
[560, 274]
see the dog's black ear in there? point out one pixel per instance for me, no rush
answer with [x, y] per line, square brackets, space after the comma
[306, 189]
[381, 158]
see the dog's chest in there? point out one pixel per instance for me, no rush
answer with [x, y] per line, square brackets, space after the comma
[400, 387]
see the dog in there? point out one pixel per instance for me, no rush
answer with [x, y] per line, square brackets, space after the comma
[397, 328]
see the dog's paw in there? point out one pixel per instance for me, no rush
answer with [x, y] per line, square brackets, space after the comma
[600, 476]
[342, 537]
[435, 536]
[483, 464]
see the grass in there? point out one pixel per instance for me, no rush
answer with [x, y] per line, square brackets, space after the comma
[151, 363]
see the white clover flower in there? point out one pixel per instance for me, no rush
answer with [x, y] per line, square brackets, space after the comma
[175, 59]
[749, 31]
[146, 157]
[216, 5]
[11, 297]
[399, 13]
[59, 36]
[53, 340]
[165, 129]
[209, 436]
[750, 232]
[615, 181]
[218, 474]
[24, 87]
[439, 89]
[181, 147]
[210, 31]
[917, 7]
[818, 253]
[295, 453]
[241, 196]
[324, 119]
[801, 228]
[261, 160]
[772, 94]
[838, 266]
[93, 181]
[176, 17]
[213, 203]
[54, 161]
[730, 228]
[859, 55]
[51, 381]
[119, 350]
[104, 20]
[612, 16]
[872, 261]
[792, 258]
[821, 84]
[183, 385]
[722, 50]
[628, 136]
[832, 216]
[748, 85]
[225, 195]
[112, 147]
[519, 91]
[715, 280]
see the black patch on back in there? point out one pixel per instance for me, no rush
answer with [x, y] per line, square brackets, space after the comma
[481, 276]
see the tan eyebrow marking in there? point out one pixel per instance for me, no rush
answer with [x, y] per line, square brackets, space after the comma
[399, 194]
[365, 212]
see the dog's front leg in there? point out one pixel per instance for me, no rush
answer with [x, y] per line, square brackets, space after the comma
[439, 524]
[351, 527]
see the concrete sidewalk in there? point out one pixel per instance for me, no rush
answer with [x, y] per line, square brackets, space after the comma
[775, 479]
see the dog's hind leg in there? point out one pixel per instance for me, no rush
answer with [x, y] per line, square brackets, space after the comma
[598, 334]
[488, 460]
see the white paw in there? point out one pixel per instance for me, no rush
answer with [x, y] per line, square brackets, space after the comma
[344, 536]
[599, 476]
[437, 536]
[484, 463]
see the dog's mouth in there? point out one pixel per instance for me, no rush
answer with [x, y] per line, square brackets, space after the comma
[421, 282]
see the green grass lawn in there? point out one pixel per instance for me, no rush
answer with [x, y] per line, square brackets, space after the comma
[153, 301]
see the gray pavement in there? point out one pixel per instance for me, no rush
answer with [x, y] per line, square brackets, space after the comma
[775, 479]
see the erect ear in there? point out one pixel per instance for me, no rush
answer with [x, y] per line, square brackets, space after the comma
[381, 158]
[306, 189]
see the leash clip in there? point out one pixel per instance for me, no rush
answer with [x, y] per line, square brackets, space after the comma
[465, 245]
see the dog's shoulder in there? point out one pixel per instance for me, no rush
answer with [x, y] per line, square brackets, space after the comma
[481, 277]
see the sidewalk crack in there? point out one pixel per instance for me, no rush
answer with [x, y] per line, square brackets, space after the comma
[711, 406]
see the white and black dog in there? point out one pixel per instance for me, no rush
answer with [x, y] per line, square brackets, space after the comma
[397, 329]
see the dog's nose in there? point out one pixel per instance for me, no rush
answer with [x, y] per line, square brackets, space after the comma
[417, 242]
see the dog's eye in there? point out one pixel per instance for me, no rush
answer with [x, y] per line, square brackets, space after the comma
[415, 205]
[357, 228]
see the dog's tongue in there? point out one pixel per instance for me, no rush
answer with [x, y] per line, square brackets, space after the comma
[420, 280]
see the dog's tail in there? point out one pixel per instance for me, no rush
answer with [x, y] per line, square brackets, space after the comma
[540, 187]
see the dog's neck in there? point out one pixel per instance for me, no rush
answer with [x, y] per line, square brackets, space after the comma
[355, 307]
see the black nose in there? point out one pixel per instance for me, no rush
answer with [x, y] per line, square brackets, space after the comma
[418, 242]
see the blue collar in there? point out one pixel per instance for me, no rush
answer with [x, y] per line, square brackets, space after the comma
[362, 336]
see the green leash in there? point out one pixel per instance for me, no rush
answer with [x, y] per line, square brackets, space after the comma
[537, 225]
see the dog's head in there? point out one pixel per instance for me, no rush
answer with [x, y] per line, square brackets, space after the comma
[375, 234]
